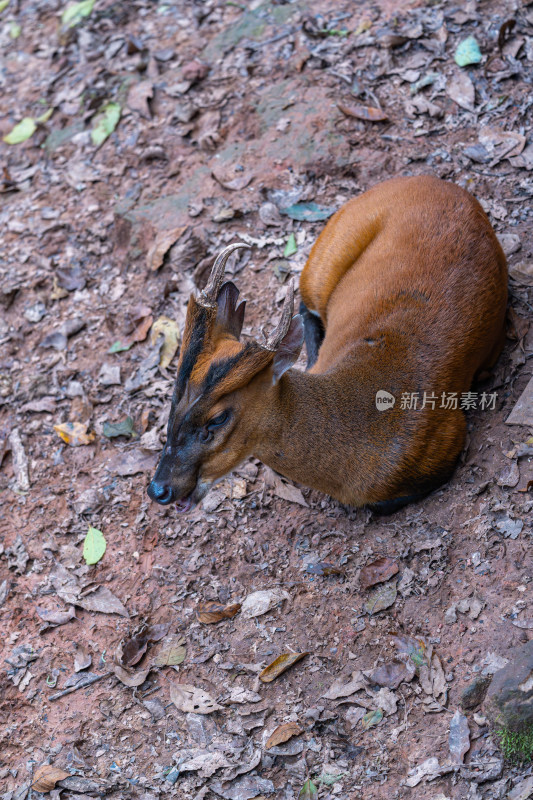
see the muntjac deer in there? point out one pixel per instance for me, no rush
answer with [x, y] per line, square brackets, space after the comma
[404, 293]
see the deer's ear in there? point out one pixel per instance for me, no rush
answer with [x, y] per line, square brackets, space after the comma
[230, 316]
[289, 349]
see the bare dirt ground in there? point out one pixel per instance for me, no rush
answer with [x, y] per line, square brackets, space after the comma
[230, 112]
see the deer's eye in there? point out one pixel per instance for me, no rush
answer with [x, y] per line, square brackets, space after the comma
[220, 419]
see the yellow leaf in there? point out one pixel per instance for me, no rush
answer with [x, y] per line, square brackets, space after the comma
[21, 132]
[168, 328]
[46, 777]
[279, 665]
[74, 433]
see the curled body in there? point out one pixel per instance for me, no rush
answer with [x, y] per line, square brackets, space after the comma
[404, 292]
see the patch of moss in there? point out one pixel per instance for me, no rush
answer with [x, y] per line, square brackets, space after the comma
[517, 747]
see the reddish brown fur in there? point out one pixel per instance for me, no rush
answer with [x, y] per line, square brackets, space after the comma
[411, 285]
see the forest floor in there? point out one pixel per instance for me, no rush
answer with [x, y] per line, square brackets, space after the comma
[176, 128]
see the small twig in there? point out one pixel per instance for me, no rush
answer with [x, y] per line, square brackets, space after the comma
[80, 685]
[259, 45]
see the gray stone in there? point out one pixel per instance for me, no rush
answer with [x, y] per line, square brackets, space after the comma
[475, 692]
[509, 699]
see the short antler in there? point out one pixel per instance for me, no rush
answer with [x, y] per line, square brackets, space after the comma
[275, 338]
[208, 296]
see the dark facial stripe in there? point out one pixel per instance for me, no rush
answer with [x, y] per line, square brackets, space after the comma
[190, 356]
[220, 369]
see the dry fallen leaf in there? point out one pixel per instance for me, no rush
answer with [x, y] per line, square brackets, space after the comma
[381, 598]
[162, 244]
[192, 700]
[461, 89]
[103, 600]
[413, 649]
[46, 777]
[82, 659]
[262, 601]
[287, 491]
[343, 688]
[130, 678]
[131, 651]
[377, 572]
[211, 612]
[280, 665]
[282, 734]
[172, 652]
[170, 331]
[75, 433]
[366, 113]
[56, 616]
[393, 673]
[138, 97]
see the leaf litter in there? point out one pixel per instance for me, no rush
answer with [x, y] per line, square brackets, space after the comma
[267, 539]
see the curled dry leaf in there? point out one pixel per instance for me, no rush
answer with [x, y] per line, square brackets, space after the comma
[366, 113]
[75, 433]
[377, 572]
[82, 659]
[192, 700]
[143, 323]
[162, 244]
[56, 616]
[46, 777]
[212, 612]
[129, 678]
[130, 652]
[282, 734]
[280, 665]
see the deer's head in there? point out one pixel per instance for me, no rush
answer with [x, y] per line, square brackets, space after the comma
[224, 390]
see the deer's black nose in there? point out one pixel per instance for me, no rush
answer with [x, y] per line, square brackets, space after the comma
[161, 493]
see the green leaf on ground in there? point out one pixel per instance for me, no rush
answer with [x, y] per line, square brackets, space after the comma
[308, 212]
[291, 247]
[468, 52]
[3, 4]
[118, 347]
[14, 30]
[73, 15]
[308, 791]
[21, 132]
[45, 116]
[94, 546]
[328, 779]
[372, 718]
[106, 122]
[122, 428]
